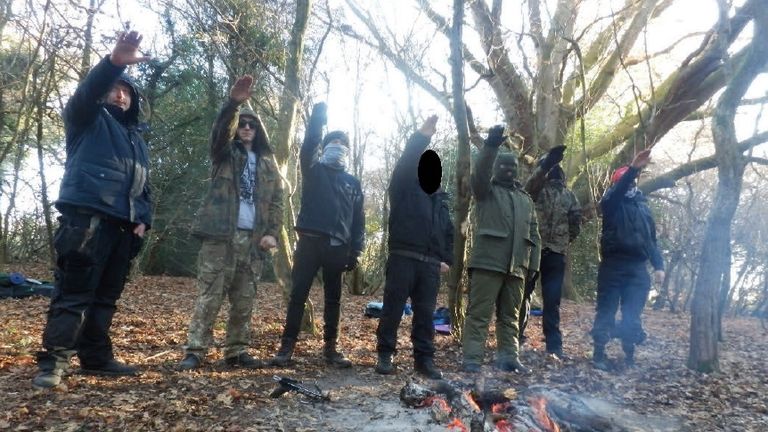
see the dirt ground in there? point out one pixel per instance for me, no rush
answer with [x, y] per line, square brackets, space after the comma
[150, 328]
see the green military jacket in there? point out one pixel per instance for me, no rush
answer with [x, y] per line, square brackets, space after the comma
[558, 211]
[217, 217]
[506, 237]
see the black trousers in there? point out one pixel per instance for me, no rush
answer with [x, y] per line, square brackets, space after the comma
[419, 280]
[94, 254]
[551, 273]
[623, 284]
[313, 253]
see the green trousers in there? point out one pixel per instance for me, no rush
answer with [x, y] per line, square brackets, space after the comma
[489, 289]
[225, 270]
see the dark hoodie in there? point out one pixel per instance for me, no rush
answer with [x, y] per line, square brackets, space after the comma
[107, 163]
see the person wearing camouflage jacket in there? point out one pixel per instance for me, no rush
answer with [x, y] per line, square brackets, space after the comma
[238, 222]
[559, 215]
[506, 247]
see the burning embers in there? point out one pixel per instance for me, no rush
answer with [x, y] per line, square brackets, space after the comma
[480, 411]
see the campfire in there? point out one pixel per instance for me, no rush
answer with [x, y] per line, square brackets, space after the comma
[480, 411]
[536, 409]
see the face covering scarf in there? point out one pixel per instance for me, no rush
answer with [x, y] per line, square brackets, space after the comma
[335, 156]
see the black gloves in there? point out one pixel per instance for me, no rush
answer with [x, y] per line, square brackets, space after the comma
[495, 136]
[553, 157]
[352, 263]
[319, 116]
[531, 276]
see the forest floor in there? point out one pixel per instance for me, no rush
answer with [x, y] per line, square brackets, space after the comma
[151, 324]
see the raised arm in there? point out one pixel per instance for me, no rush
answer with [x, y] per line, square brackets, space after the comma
[610, 201]
[538, 178]
[406, 168]
[225, 126]
[83, 107]
[482, 171]
[314, 134]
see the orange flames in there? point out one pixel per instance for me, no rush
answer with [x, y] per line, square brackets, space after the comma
[457, 424]
[504, 426]
[539, 406]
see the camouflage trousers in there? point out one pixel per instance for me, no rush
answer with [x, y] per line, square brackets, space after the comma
[225, 269]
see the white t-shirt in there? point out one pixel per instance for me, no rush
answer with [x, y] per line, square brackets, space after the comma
[247, 214]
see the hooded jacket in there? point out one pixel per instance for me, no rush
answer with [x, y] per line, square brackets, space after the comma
[107, 166]
[629, 232]
[418, 222]
[506, 230]
[218, 214]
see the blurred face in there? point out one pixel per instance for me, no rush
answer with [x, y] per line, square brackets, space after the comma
[120, 96]
[506, 169]
[246, 129]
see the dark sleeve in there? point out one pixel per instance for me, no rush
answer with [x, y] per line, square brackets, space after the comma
[407, 167]
[574, 218]
[655, 254]
[358, 225]
[83, 107]
[613, 196]
[146, 218]
[482, 170]
[224, 129]
[536, 182]
[308, 153]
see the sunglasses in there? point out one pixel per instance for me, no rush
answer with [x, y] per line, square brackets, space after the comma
[243, 123]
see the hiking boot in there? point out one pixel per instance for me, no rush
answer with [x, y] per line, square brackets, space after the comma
[191, 361]
[53, 365]
[46, 379]
[599, 359]
[335, 357]
[513, 365]
[244, 360]
[470, 367]
[284, 354]
[110, 368]
[427, 368]
[385, 366]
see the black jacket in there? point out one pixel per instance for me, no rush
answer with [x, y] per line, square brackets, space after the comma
[107, 165]
[629, 231]
[331, 199]
[418, 222]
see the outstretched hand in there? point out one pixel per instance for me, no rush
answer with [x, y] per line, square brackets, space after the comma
[126, 50]
[495, 136]
[241, 90]
[642, 159]
[319, 115]
[429, 127]
[554, 157]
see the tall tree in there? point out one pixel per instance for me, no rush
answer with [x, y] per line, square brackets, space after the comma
[714, 264]
[461, 201]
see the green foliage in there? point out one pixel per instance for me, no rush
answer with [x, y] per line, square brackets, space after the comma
[585, 258]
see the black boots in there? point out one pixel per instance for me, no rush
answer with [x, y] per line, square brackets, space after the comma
[426, 367]
[599, 359]
[284, 354]
[385, 366]
[513, 365]
[110, 368]
[191, 361]
[244, 360]
[334, 357]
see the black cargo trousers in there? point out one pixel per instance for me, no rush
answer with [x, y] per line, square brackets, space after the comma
[94, 254]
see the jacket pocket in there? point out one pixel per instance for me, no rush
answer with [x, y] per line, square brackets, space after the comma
[497, 233]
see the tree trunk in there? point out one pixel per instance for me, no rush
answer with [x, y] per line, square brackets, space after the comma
[714, 261]
[43, 185]
[461, 203]
[289, 103]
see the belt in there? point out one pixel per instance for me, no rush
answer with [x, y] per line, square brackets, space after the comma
[415, 255]
[105, 217]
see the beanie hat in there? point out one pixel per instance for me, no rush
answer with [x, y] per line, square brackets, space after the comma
[336, 135]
